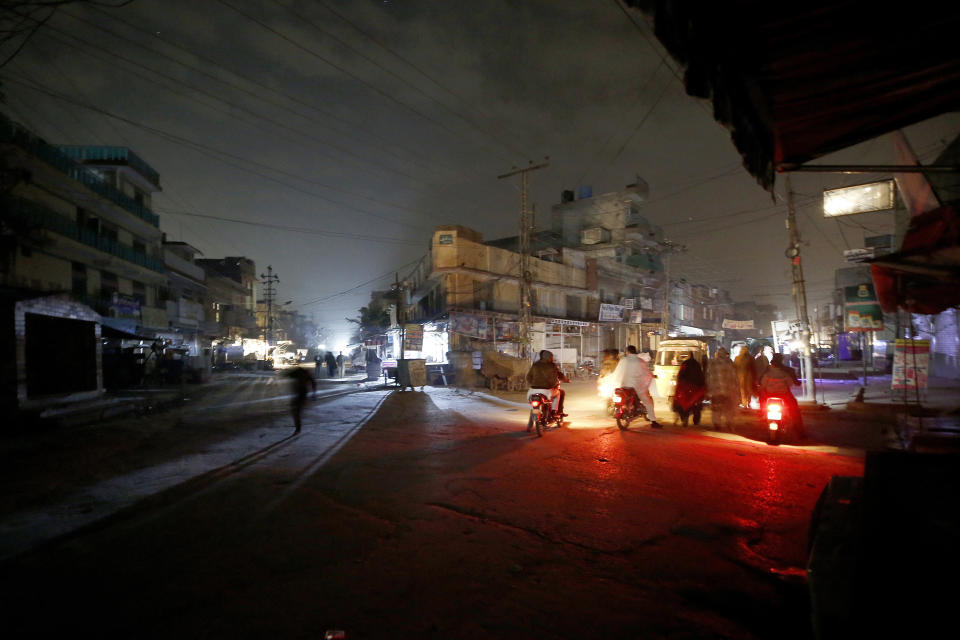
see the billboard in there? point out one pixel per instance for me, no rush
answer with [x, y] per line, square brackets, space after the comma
[861, 309]
[611, 313]
[911, 364]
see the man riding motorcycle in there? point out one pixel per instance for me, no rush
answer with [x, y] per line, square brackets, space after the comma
[776, 383]
[632, 371]
[546, 376]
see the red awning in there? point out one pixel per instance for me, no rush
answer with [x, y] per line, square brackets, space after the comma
[924, 276]
[795, 81]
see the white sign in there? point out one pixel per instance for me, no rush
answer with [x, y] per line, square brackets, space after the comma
[627, 303]
[636, 317]
[646, 303]
[858, 255]
[611, 313]
[862, 198]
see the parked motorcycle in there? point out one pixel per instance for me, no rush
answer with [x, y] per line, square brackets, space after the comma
[542, 413]
[627, 406]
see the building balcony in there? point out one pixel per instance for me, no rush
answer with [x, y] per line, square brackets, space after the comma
[99, 154]
[12, 133]
[33, 215]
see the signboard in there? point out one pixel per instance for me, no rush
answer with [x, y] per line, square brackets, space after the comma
[911, 364]
[477, 360]
[859, 255]
[862, 198]
[465, 323]
[413, 337]
[627, 303]
[412, 373]
[861, 309]
[737, 324]
[646, 303]
[636, 317]
[611, 313]
[124, 306]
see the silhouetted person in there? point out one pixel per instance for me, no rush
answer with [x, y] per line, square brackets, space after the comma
[339, 362]
[302, 382]
[331, 363]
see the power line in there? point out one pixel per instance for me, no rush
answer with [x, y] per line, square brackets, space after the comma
[360, 53]
[347, 72]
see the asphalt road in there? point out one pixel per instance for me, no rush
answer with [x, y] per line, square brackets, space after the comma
[433, 514]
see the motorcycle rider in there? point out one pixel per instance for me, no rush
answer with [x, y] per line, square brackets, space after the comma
[632, 371]
[545, 375]
[776, 383]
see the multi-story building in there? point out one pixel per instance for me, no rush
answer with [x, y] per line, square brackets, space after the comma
[231, 298]
[78, 220]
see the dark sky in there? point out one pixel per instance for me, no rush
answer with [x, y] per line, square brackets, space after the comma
[360, 125]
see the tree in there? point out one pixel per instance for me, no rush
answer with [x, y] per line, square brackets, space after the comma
[372, 321]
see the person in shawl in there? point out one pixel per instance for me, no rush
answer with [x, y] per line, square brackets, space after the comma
[690, 391]
[723, 389]
[744, 366]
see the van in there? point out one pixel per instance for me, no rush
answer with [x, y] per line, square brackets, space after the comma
[669, 356]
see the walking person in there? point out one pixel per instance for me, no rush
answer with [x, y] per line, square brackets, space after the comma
[340, 364]
[690, 391]
[723, 388]
[744, 368]
[331, 363]
[301, 381]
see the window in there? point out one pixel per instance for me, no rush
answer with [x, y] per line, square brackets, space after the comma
[87, 221]
[108, 232]
[79, 278]
[139, 247]
[108, 284]
[140, 292]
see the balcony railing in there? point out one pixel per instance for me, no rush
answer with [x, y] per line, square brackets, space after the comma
[111, 155]
[34, 215]
[11, 132]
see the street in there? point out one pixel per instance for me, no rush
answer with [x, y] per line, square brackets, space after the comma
[434, 514]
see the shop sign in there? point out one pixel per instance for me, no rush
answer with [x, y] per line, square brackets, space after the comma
[611, 313]
[413, 337]
[861, 309]
[646, 303]
[124, 306]
[636, 317]
[627, 303]
[739, 325]
[466, 324]
[911, 364]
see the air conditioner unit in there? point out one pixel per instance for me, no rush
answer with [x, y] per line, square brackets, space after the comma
[594, 235]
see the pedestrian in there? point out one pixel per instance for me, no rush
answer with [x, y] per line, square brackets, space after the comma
[318, 364]
[301, 381]
[723, 388]
[690, 391]
[744, 367]
[633, 371]
[340, 364]
[331, 363]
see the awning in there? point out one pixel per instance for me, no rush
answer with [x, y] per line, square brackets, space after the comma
[924, 276]
[795, 81]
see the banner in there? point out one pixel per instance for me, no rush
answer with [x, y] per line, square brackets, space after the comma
[464, 323]
[413, 337]
[861, 309]
[911, 364]
[611, 313]
[737, 324]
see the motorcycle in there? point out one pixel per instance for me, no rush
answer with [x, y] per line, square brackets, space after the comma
[775, 411]
[627, 406]
[542, 413]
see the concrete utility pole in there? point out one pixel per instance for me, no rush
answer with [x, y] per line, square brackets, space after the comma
[800, 296]
[526, 226]
[270, 282]
[669, 248]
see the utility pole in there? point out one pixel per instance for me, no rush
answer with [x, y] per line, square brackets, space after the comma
[800, 295]
[270, 282]
[526, 227]
[668, 249]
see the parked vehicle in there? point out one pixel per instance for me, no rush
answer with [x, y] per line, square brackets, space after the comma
[627, 406]
[542, 412]
[670, 354]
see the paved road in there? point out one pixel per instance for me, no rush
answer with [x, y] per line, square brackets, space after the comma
[398, 515]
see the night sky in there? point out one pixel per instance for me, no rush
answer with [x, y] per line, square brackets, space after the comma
[355, 127]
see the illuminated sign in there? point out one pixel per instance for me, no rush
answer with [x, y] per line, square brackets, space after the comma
[863, 198]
